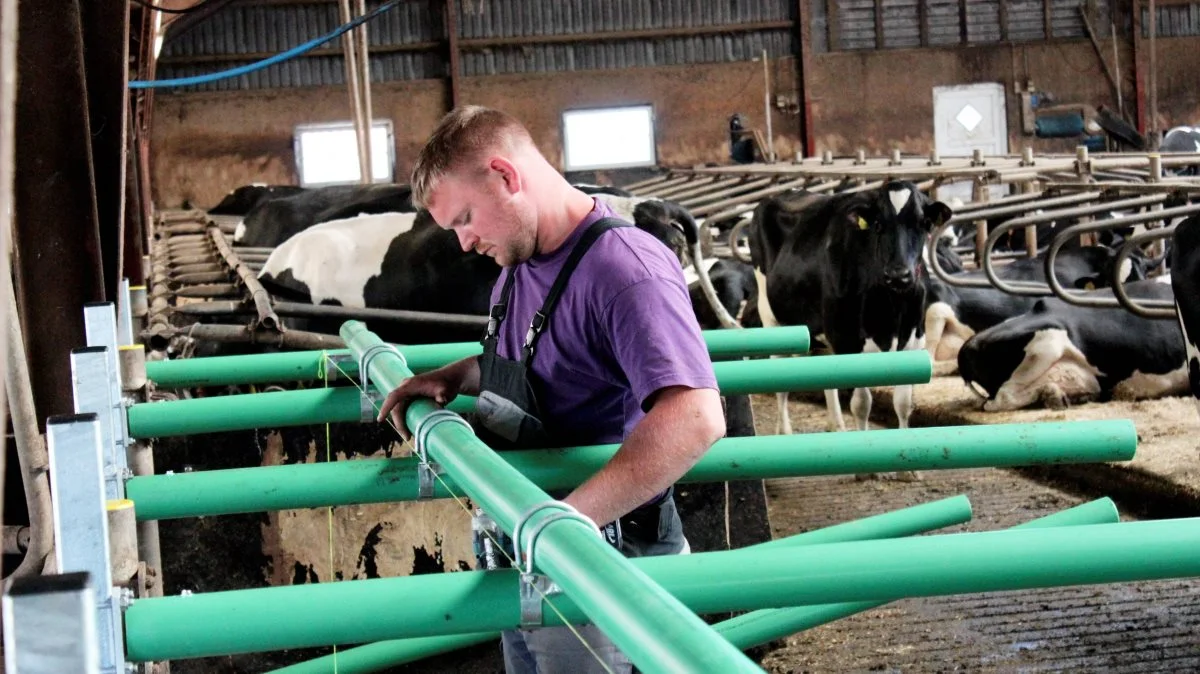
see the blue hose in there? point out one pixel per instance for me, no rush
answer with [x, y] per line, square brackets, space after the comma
[269, 61]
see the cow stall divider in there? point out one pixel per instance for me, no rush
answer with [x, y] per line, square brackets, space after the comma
[744, 631]
[653, 619]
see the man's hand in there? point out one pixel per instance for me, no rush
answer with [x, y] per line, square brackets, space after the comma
[442, 385]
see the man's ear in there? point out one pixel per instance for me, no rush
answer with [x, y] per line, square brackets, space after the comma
[508, 173]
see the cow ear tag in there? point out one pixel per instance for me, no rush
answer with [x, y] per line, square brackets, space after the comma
[1089, 286]
[862, 224]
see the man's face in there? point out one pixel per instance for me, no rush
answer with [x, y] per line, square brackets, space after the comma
[487, 213]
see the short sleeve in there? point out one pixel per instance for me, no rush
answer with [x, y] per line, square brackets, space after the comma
[656, 339]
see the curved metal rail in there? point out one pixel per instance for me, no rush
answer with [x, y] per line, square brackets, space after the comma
[983, 214]
[1160, 309]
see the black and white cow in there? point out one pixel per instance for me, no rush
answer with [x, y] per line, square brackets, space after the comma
[401, 261]
[1059, 353]
[1185, 280]
[387, 261]
[274, 221]
[242, 200]
[954, 313]
[847, 266]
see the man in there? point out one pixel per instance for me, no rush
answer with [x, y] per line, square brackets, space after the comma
[618, 358]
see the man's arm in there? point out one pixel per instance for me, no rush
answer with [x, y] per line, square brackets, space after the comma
[679, 428]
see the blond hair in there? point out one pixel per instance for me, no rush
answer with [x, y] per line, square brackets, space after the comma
[461, 137]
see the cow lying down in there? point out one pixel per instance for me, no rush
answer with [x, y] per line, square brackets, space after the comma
[1058, 354]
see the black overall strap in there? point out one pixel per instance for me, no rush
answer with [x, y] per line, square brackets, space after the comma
[560, 282]
[498, 312]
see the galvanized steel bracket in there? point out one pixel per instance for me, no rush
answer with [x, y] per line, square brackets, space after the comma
[368, 404]
[364, 361]
[336, 360]
[534, 587]
[427, 471]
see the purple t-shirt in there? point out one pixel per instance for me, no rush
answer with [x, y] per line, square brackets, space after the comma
[623, 329]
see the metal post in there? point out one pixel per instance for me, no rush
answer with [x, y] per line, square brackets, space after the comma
[80, 523]
[125, 314]
[140, 456]
[100, 329]
[767, 108]
[90, 376]
[50, 625]
[362, 127]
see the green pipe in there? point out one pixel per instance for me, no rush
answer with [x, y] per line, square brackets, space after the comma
[904, 522]
[458, 603]
[765, 625]
[311, 485]
[340, 404]
[306, 365]
[744, 631]
[653, 629]
[253, 410]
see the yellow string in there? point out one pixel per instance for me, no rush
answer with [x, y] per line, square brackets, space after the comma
[462, 504]
[332, 571]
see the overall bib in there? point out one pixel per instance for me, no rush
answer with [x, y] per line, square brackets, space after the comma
[509, 416]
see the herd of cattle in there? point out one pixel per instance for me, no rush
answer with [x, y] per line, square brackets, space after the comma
[853, 267]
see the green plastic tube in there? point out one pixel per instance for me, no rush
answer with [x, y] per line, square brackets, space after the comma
[653, 629]
[341, 404]
[310, 485]
[307, 365]
[903, 522]
[458, 603]
[764, 625]
[744, 631]
[254, 410]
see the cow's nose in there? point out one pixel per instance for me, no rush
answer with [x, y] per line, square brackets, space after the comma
[898, 278]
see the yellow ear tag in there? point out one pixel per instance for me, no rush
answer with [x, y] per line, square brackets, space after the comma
[862, 224]
[1089, 286]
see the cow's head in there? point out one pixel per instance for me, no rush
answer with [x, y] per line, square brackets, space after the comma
[668, 222]
[1136, 267]
[885, 231]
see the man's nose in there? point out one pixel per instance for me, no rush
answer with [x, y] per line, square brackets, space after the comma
[466, 240]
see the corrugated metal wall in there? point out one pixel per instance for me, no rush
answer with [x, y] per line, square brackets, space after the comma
[1173, 20]
[259, 31]
[1025, 21]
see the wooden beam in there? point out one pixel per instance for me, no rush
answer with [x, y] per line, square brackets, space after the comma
[879, 24]
[1003, 18]
[923, 20]
[803, 68]
[1047, 19]
[833, 25]
[452, 45]
[964, 34]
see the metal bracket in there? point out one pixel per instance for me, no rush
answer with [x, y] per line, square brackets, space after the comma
[533, 587]
[336, 359]
[364, 361]
[427, 471]
[368, 402]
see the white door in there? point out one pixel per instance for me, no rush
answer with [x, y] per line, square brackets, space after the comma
[966, 118]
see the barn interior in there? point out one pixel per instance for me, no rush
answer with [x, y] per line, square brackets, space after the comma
[194, 477]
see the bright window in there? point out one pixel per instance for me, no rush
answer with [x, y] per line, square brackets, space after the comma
[327, 154]
[608, 138]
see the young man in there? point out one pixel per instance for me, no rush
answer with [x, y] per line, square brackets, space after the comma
[618, 358]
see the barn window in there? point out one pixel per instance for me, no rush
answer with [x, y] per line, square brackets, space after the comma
[327, 154]
[601, 138]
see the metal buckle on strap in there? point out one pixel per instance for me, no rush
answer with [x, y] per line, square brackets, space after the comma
[533, 587]
[427, 472]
